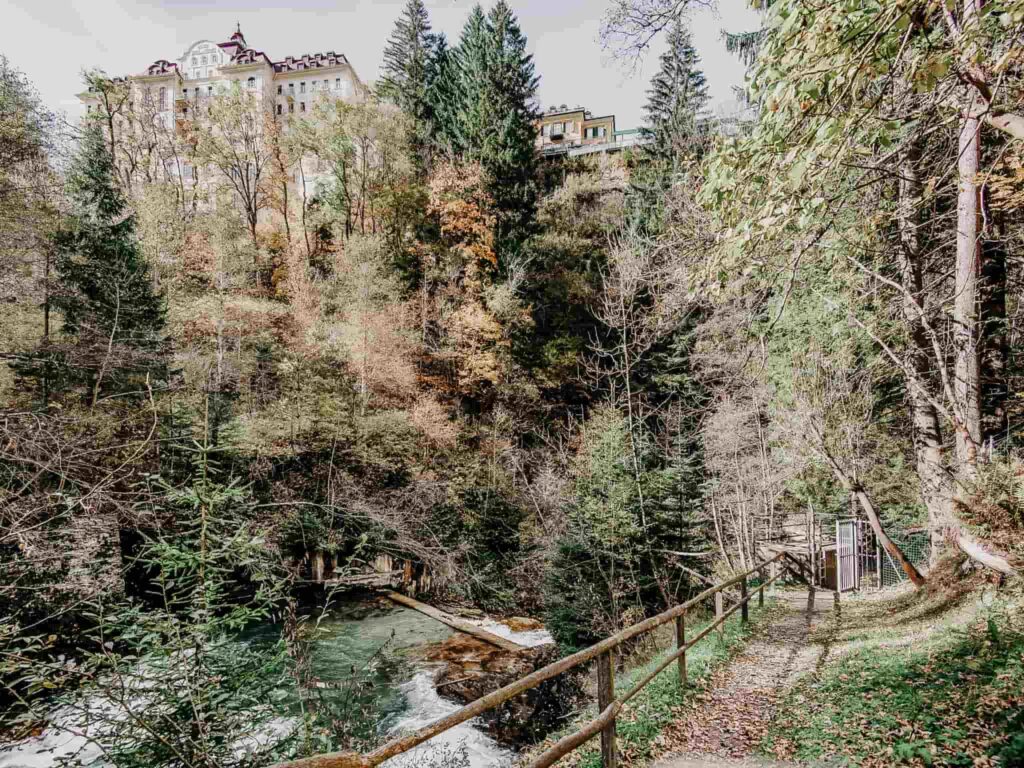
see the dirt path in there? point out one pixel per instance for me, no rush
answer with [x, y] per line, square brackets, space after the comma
[727, 721]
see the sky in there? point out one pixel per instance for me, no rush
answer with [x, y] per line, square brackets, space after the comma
[52, 41]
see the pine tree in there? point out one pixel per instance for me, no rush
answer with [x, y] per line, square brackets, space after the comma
[407, 71]
[677, 99]
[106, 294]
[508, 153]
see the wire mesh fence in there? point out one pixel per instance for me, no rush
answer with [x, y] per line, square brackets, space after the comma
[915, 545]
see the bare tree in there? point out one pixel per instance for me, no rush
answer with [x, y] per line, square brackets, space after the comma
[234, 138]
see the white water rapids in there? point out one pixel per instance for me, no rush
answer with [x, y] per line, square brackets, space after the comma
[68, 740]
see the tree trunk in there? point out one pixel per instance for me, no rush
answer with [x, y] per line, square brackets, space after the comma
[968, 258]
[994, 346]
[933, 476]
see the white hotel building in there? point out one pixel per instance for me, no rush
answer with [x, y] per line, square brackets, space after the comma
[177, 89]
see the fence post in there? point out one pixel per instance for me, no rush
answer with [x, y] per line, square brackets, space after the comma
[760, 590]
[719, 610]
[680, 642]
[605, 696]
[744, 609]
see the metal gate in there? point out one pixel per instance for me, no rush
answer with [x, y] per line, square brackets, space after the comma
[846, 555]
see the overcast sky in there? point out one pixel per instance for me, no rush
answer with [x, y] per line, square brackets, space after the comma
[53, 40]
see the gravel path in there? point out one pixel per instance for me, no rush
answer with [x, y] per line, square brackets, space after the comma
[728, 720]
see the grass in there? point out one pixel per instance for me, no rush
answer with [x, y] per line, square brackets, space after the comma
[934, 678]
[658, 704]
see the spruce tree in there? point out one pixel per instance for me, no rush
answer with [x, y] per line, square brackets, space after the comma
[444, 95]
[407, 73]
[677, 99]
[508, 154]
[106, 295]
[471, 61]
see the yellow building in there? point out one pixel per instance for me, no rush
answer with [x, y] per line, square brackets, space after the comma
[561, 128]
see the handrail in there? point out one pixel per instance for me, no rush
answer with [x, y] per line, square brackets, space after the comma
[609, 708]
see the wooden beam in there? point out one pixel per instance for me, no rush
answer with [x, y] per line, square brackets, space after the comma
[605, 698]
[454, 622]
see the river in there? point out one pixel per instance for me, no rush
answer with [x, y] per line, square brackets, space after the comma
[403, 698]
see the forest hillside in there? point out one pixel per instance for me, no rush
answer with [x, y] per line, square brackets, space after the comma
[575, 389]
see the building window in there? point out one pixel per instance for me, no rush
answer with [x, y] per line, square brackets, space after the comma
[251, 83]
[184, 112]
[279, 109]
[302, 87]
[291, 89]
[291, 107]
[163, 98]
[279, 90]
[302, 106]
[327, 85]
[204, 59]
[557, 129]
[195, 60]
[337, 83]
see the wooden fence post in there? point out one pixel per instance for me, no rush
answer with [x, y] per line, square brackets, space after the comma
[605, 696]
[744, 609]
[719, 610]
[760, 590]
[680, 642]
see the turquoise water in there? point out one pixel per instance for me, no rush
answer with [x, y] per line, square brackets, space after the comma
[379, 686]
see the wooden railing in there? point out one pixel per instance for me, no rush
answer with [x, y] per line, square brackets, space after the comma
[609, 706]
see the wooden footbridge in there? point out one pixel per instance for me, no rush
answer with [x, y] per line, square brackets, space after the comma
[603, 653]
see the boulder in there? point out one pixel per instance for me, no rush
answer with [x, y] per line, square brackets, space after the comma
[473, 668]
